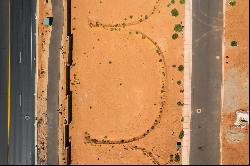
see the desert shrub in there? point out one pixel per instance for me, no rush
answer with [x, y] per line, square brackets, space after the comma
[171, 158]
[180, 67]
[178, 27]
[182, 1]
[179, 103]
[182, 119]
[179, 82]
[181, 135]
[234, 43]
[175, 36]
[232, 2]
[172, 1]
[174, 12]
[177, 158]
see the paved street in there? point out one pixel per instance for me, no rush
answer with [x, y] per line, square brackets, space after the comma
[22, 76]
[206, 81]
[4, 51]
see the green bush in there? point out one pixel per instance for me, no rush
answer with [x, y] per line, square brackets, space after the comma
[180, 67]
[181, 135]
[174, 12]
[175, 36]
[182, 1]
[177, 158]
[232, 2]
[234, 43]
[178, 28]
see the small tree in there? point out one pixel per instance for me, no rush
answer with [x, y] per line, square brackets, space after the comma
[172, 1]
[178, 28]
[175, 36]
[179, 82]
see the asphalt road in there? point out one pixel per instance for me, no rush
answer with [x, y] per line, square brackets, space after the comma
[22, 77]
[53, 80]
[206, 81]
[4, 51]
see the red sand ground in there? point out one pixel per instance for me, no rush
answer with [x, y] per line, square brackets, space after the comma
[124, 84]
[43, 54]
[236, 83]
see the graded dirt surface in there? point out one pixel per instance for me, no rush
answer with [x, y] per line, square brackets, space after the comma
[236, 83]
[123, 81]
[43, 55]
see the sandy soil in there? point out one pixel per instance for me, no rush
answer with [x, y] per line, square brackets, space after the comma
[236, 84]
[45, 10]
[124, 81]
[62, 92]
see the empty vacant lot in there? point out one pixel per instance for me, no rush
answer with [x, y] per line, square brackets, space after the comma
[125, 81]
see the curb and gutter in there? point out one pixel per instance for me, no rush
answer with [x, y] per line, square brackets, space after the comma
[187, 82]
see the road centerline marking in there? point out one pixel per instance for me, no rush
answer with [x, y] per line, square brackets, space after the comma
[20, 57]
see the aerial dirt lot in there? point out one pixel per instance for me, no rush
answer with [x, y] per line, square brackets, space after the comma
[235, 141]
[124, 82]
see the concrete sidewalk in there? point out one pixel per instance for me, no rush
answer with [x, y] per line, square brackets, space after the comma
[53, 81]
[187, 81]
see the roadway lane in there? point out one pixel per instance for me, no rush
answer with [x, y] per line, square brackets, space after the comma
[22, 81]
[4, 46]
[206, 81]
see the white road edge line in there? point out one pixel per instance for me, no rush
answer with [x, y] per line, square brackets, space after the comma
[31, 46]
[186, 113]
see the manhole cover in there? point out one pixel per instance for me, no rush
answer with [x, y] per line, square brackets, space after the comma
[198, 110]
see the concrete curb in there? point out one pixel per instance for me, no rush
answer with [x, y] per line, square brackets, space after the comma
[187, 82]
[222, 85]
[36, 79]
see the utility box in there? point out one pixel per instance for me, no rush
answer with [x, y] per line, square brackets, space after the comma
[48, 21]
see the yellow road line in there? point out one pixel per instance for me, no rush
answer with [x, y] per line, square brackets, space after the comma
[9, 82]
